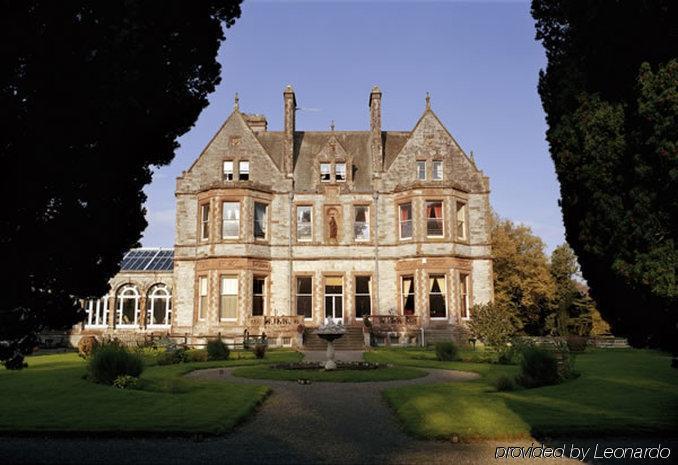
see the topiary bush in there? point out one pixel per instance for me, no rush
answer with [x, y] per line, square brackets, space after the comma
[109, 361]
[446, 351]
[86, 346]
[538, 367]
[217, 350]
[260, 350]
[504, 383]
[196, 355]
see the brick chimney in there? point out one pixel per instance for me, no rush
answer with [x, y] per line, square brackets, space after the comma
[375, 131]
[290, 109]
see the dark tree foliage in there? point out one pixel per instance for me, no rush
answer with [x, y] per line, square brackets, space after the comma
[610, 97]
[93, 94]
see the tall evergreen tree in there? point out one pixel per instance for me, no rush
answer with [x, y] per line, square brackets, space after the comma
[93, 94]
[610, 97]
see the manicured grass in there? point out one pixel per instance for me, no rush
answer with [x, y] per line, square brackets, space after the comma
[51, 395]
[338, 376]
[619, 392]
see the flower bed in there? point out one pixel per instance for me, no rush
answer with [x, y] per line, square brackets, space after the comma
[321, 366]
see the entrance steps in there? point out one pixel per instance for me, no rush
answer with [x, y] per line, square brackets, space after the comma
[352, 340]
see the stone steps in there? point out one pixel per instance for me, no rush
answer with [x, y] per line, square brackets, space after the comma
[352, 340]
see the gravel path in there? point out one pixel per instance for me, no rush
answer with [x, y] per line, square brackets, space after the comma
[321, 423]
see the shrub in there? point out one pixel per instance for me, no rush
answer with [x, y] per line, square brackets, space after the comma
[16, 362]
[576, 343]
[108, 361]
[504, 383]
[86, 346]
[446, 351]
[150, 354]
[196, 355]
[538, 367]
[260, 350]
[172, 357]
[493, 324]
[217, 350]
[125, 382]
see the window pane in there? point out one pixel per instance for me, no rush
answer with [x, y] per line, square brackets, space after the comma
[260, 220]
[406, 221]
[229, 307]
[361, 226]
[205, 222]
[244, 170]
[340, 171]
[408, 295]
[437, 170]
[304, 285]
[228, 171]
[362, 284]
[304, 306]
[461, 220]
[128, 310]
[434, 218]
[437, 305]
[231, 219]
[159, 311]
[257, 305]
[463, 295]
[324, 171]
[421, 170]
[304, 228]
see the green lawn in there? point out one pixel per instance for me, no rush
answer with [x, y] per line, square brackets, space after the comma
[619, 392]
[51, 395]
[338, 376]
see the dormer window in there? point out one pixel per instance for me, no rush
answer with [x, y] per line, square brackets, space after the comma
[325, 172]
[244, 170]
[421, 170]
[340, 172]
[228, 170]
[437, 174]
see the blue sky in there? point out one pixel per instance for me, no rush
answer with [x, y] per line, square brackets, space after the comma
[479, 61]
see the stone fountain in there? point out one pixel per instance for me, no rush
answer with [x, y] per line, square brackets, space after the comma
[330, 332]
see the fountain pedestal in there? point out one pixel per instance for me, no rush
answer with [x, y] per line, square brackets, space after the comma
[330, 331]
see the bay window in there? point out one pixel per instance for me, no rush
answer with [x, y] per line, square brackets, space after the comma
[260, 220]
[405, 214]
[228, 305]
[407, 295]
[434, 219]
[436, 296]
[230, 227]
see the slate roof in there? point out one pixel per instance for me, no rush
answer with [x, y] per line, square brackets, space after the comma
[307, 144]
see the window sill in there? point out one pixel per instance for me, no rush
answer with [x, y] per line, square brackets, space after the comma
[439, 318]
[158, 326]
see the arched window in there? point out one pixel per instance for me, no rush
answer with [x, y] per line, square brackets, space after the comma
[97, 312]
[159, 310]
[128, 306]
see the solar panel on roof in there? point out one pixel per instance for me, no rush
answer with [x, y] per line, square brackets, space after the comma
[148, 260]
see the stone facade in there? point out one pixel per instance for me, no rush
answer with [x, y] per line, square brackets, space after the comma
[394, 224]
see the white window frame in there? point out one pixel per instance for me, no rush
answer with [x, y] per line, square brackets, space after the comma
[229, 174]
[243, 168]
[366, 230]
[441, 219]
[308, 238]
[400, 222]
[264, 226]
[357, 294]
[159, 292]
[203, 291]
[439, 165]
[297, 294]
[336, 172]
[128, 291]
[205, 222]
[461, 216]
[97, 313]
[262, 295]
[235, 220]
[222, 292]
[421, 164]
[464, 310]
[443, 293]
[328, 172]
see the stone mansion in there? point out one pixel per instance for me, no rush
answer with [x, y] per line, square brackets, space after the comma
[278, 230]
